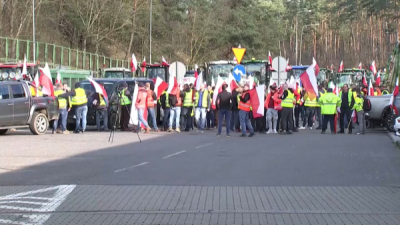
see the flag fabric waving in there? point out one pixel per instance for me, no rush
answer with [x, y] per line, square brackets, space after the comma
[160, 86]
[36, 82]
[354, 116]
[370, 89]
[309, 80]
[133, 63]
[373, 67]
[164, 62]
[143, 64]
[58, 79]
[360, 66]
[378, 78]
[172, 84]
[46, 82]
[199, 81]
[24, 68]
[270, 60]
[332, 66]
[257, 101]
[365, 80]
[98, 89]
[392, 99]
[232, 85]
[341, 67]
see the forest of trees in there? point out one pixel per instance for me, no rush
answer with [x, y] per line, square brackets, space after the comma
[197, 31]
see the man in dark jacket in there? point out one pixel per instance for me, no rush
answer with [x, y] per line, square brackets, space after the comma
[224, 105]
[235, 125]
[101, 106]
[166, 106]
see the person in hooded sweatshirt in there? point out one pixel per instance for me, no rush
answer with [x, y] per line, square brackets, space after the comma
[329, 103]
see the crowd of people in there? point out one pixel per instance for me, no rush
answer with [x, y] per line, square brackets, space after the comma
[288, 109]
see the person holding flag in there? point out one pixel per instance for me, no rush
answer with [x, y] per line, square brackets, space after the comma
[140, 104]
[151, 98]
[244, 111]
[62, 111]
[101, 105]
[347, 99]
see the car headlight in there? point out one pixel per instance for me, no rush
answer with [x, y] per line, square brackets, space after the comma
[4, 75]
[12, 75]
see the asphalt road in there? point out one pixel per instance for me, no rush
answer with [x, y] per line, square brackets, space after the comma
[170, 178]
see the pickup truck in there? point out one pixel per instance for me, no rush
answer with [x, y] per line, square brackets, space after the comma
[19, 109]
[380, 111]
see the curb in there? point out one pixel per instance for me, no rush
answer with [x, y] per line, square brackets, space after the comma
[395, 139]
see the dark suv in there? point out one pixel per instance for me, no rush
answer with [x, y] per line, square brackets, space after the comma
[111, 85]
[18, 109]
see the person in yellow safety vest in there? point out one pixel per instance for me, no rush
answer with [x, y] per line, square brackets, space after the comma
[101, 106]
[33, 92]
[347, 98]
[377, 92]
[187, 107]
[202, 103]
[318, 115]
[79, 100]
[310, 108]
[288, 101]
[384, 91]
[62, 111]
[165, 105]
[125, 102]
[358, 107]
[329, 103]
[244, 111]
[298, 108]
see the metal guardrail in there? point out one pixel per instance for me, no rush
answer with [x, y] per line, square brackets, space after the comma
[13, 50]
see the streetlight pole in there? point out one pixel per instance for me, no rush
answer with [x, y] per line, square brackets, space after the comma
[297, 24]
[301, 36]
[151, 15]
[33, 25]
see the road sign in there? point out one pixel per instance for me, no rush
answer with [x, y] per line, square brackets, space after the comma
[178, 70]
[239, 53]
[238, 72]
[279, 64]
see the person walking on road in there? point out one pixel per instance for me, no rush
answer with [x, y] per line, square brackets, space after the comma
[347, 98]
[187, 107]
[140, 104]
[101, 110]
[151, 99]
[165, 105]
[273, 105]
[62, 111]
[79, 100]
[329, 103]
[224, 105]
[244, 110]
[288, 101]
[358, 107]
[202, 102]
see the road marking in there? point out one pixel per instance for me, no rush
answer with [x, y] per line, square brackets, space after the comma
[141, 164]
[174, 154]
[201, 146]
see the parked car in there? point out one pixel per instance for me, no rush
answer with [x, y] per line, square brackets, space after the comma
[19, 109]
[381, 112]
[111, 86]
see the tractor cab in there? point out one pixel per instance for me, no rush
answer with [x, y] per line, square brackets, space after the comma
[256, 68]
[324, 76]
[117, 72]
[13, 71]
[157, 70]
[220, 68]
[344, 78]
[297, 71]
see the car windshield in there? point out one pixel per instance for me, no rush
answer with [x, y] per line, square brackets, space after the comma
[257, 69]
[345, 79]
[297, 72]
[108, 85]
[118, 74]
[189, 74]
[154, 72]
[321, 76]
[222, 70]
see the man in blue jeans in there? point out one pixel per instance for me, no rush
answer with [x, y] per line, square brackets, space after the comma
[224, 105]
[62, 110]
[244, 110]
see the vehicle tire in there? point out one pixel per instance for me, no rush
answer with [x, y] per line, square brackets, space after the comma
[39, 123]
[71, 126]
[3, 131]
[389, 122]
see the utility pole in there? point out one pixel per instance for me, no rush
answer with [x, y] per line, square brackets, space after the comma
[33, 25]
[151, 15]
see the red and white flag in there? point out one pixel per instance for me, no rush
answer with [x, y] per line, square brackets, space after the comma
[373, 67]
[309, 80]
[172, 84]
[370, 89]
[288, 67]
[378, 78]
[98, 88]
[36, 83]
[232, 85]
[159, 87]
[218, 88]
[46, 82]
[341, 67]
[58, 79]
[199, 81]
[332, 66]
[143, 64]
[196, 75]
[360, 66]
[395, 93]
[24, 68]
[133, 63]
[365, 80]
[270, 60]
[164, 62]
[354, 116]
[257, 101]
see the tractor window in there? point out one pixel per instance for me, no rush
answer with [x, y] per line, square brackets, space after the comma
[154, 72]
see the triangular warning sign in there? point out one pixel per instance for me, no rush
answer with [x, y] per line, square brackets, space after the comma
[239, 53]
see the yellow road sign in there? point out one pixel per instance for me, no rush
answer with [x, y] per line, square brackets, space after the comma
[239, 53]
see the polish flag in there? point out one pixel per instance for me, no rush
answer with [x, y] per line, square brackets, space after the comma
[370, 89]
[36, 83]
[46, 82]
[365, 80]
[360, 66]
[251, 82]
[378, 79]
[212, 81]
[199, 81]
[288, 67]
[98, 88]
[164, 62]
[309, 80]
[133, 63]
[395, 93]
[143, 64]
[234, 59]
[232, 85]
[160, 86]
[218, 88]
[341, 67]
[196, 75]
[354, 116]
[270, 60]
[58, 79]
[25, 69]
[332, 66]
[172, 84]
[271, 82]
[257, 96]
[373, 67]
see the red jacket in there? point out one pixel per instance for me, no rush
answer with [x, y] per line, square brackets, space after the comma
[277, 100]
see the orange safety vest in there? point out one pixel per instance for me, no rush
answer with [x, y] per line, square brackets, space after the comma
[150, 100]
[141, 99]
[244, 106]
[178, 98]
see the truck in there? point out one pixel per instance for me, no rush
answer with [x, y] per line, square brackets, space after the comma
[19, 109]
[381, 114]
[157, 70]
[70, 77]
[15, 69]
[257, 68]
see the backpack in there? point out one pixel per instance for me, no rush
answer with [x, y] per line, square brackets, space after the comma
[367, 105]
